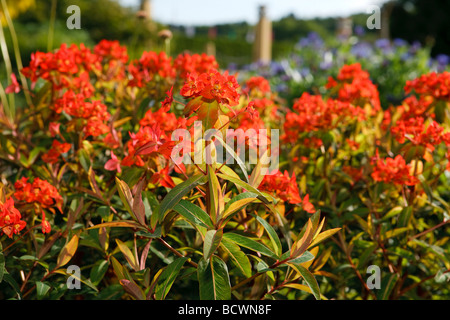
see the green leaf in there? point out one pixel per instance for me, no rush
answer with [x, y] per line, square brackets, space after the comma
[167, 278]
[387, 284]
[404, 217]
[213, 279]
[235, 156]
[323, 236]
[366, 255]
[211, 242]
[178, 192]
[238, 202]
[84, 159]
[215, 196]
[2, 265]
[98, 271]
[393, 233]
[237, 256]
[392, 213]
[8, 278]
[309, 279]
[305, 257]
[67, 252]
[275, 240]
[129, 256]
[126, 196]
[244, 185]
[121, 223]
[258, 172]
[193, 214]
[41, 289]
[249, 243]
[133, 289]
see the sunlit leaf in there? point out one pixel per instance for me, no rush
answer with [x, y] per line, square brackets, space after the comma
[213, 278]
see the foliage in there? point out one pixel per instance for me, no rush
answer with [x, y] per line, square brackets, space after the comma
[91, 177]
[314, 58]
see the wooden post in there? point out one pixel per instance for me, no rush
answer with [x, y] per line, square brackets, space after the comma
[262, 46]
[210, 45]
[145, 13]
[344, 27]
[386, 12]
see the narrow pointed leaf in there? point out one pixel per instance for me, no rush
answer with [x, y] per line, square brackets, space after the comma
[237, 256]
[133, 289]
[167, 278]
[193, 214]
[211, 242]
[309, 279]
[238, 203]
[323, 236]
[276, 243]
[249, 243]
[67, 252]
[178, 192]
[213, 279]
[235, 157]
[128, 254]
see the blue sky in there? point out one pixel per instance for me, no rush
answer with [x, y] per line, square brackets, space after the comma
[208, 12]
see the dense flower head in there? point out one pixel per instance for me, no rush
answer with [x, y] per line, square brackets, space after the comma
[393, 170]
[111, 50]
[60, 66]
[353, 85]
[10, 219]
[257, 83]
[39, 191]
[416, 131]
[113, 57]
[432, 84]
[212, 86]
[150, 64]
[285, 187]
[186, 63]
[312, 113]
[416, 107]
[147, 141]
[58, 148]
[94, 112]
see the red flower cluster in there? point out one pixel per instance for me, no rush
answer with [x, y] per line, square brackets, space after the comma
[413, 107]
[10, 218]
[258, 84]
[285, 187]
[312, 113]
[414, 130]
[39, 191]
[58, 148]
[432, 84]
[186, 63]
[63, 66]
[147, 141]
[392, 171]
[354, 85]
[113, 57]
[150, 64]
[111, 51]
[94, 113]
[222, 88]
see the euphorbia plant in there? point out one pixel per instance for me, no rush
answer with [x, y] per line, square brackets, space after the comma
[236, 226]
